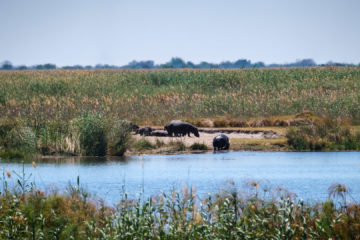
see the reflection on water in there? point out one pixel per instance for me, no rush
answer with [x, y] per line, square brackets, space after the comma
[307, 174]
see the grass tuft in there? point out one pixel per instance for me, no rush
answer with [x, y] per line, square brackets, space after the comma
[199, 146]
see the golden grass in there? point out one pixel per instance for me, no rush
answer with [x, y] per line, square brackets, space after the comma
[156, 96]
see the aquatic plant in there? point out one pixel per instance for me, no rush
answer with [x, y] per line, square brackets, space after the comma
[92, 134]
[179, 214]
[118, 137]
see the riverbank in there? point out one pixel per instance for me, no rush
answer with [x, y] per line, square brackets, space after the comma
[241, 139]
[332, 137]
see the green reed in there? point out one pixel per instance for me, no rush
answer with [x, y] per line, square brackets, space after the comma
[183, 214]
[156, 96]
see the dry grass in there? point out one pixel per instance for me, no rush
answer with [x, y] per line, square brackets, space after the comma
[157, 96]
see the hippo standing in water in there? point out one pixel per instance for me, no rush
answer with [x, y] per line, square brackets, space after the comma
[221, 142]
[179, 128]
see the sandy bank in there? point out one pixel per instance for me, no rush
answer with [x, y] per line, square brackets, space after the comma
[207, 135]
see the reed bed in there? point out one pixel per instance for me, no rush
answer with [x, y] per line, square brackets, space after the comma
[157, 96]
[68, 111]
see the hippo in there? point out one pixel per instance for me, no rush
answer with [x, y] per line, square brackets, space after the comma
[221, 142]
[159, 133]
[144, 131]
[179, 128]
[134, 127]
[169, 127]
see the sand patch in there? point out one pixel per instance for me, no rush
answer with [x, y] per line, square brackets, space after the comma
[207, 136]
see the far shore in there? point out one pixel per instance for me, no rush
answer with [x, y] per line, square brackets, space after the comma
[270, 139]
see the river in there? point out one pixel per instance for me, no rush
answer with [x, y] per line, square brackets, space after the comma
[308, 175]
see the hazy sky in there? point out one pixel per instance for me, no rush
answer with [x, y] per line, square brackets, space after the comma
[68, 32]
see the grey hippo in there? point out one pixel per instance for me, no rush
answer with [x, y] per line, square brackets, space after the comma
[179, 128]
[221, 142]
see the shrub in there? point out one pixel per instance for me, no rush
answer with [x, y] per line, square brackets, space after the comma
[118, 138]
[265, 122]
[320, 135]
[143, 144]
[52, 136]
[238, 123]
[159, 143]
[6, 125]
[221, 122]
[199, 146]
[20, 139]
[9, 154]
[91, 133]
[16, 137]
[177, 145]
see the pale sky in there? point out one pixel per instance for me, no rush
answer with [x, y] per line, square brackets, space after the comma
[88, 32]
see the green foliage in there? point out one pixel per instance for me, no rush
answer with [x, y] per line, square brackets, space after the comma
[118, 137]
[15, 136]
[22, 139]
[10, 154]
[323, 135]
[92, 134]
[177, 145]
[143, 144]
[159, 143]
[178, 215]
[199, 146]
[157, 96]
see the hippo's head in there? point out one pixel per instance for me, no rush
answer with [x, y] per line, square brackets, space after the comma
[196, 133]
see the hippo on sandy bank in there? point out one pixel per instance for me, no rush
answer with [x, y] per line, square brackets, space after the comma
[144, 131]
[179, 128]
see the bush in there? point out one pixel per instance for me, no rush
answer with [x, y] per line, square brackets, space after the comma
[159, 143]
[177, 145]
[118, 138]
[238, 123]
[22, 139]
[92, 134]
[16, 138]
[9, 154]
[143, 144]
[323, 135]
[199, 146]
[52, 136]
[221, 122]
[205, 123]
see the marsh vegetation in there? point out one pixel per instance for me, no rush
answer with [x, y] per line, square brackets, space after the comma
[29, 213]
[83, 112]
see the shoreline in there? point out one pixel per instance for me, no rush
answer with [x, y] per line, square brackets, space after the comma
[241, 139]
[252, 139]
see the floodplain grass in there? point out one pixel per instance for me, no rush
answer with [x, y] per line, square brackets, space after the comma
[157, 96]
[46, 108]
[29, 213]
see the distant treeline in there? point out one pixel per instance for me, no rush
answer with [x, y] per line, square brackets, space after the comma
[177, 63]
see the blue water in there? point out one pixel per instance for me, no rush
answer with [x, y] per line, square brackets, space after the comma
[308, 175]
